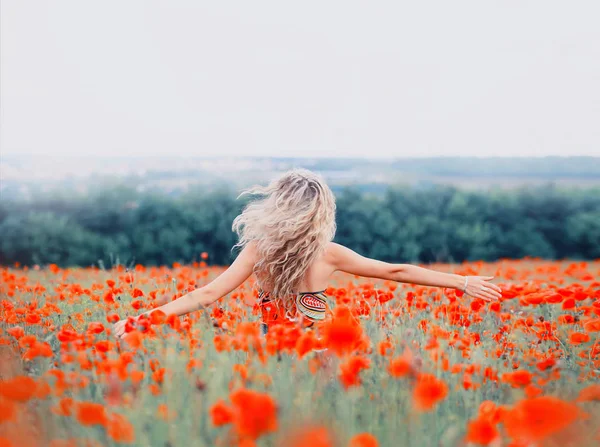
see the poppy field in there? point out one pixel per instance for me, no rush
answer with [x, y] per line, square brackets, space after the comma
[395, 365]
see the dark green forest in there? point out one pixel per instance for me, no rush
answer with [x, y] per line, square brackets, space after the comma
[445, 224]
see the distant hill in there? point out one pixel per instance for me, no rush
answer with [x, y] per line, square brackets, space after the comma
[23, 176]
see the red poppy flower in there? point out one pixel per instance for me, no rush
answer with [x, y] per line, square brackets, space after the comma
[221, 414]
[343, 332]
[533, 420]
[255, 413]
[19, 389]
[350, 369]
[579, 337]
[428, 392]
[364, 440]
[481, 431]
[590, 393]
[90, 413]
[119, 429]
[8, 410]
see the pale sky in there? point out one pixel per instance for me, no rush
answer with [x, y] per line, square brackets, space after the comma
[331, 78]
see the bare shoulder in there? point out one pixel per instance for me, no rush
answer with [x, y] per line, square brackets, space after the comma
[332, 248]
[333, 253]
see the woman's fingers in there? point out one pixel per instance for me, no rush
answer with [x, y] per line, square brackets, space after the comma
[494, 286]
[489, 293]
[493, 293]
[485, 281]
[490, 296]
[486, 297]
[489, 287]
[119, 328]
[481, 294]
[482, 289]
[485, 294]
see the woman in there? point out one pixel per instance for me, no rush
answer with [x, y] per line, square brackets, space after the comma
[286, 240]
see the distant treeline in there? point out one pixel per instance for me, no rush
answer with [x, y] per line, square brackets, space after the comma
[121, 225]
[482, 167]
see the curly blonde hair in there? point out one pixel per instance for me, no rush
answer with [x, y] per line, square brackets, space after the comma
[291, 223]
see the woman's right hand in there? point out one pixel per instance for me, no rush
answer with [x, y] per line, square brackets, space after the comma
[119, 328]
[481, 287]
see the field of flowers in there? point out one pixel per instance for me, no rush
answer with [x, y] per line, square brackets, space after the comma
[404, 365]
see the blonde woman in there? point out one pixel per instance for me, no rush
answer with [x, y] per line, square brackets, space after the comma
[286, 239]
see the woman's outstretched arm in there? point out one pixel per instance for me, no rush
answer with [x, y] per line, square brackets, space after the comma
[227, 281]
[346, 260]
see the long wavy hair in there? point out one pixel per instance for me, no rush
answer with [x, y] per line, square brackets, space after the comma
[291, 221]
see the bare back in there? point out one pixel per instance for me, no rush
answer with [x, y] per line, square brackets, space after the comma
[318, 274]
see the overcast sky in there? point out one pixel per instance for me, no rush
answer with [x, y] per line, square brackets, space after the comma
[331, 78]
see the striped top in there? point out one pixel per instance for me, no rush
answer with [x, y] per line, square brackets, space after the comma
[308, 308]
